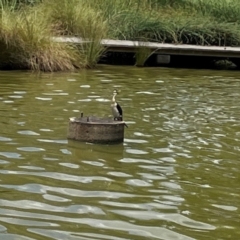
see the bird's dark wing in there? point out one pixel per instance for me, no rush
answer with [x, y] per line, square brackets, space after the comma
[119, 109]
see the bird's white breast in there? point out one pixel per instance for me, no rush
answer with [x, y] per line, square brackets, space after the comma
[115, 110]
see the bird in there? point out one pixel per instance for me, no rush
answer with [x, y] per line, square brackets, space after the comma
[116, 108]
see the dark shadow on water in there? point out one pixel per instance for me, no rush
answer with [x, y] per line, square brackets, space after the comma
[176, 61]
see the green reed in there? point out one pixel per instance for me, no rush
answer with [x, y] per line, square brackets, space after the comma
[26, 31]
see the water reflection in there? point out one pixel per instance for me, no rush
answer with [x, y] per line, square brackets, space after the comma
[176, 175]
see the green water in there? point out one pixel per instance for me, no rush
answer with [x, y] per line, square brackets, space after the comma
[176, 177]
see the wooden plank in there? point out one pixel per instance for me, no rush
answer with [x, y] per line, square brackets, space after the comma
[172, 49]
[160, 48]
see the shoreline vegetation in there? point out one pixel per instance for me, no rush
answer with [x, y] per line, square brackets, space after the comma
[27, 28]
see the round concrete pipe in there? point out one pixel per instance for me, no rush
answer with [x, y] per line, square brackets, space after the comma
[96, 130]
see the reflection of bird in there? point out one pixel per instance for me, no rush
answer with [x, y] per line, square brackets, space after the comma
[116, 109]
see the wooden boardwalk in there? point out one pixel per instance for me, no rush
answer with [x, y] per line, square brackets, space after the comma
[160, 48]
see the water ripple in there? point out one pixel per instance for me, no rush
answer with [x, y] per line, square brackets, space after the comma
[176, 175]
[30, 149]
[176, 218]
[59, 176]
[156, 232]
[11, 155]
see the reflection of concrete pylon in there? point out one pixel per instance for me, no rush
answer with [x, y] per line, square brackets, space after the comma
[95, 152]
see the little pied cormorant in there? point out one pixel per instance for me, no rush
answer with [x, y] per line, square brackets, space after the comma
[116, 108]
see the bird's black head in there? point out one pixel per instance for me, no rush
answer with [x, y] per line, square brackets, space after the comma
[115, 91]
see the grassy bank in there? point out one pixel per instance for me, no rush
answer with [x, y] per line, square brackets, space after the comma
[202, 22]
[26, 28]
[26, 33]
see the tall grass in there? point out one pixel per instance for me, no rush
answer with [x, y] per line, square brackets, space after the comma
[142, 54]
[26, 29]
[26, 35]
[25, 42]
[220, 10]
[198, 22]
[78, 18]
